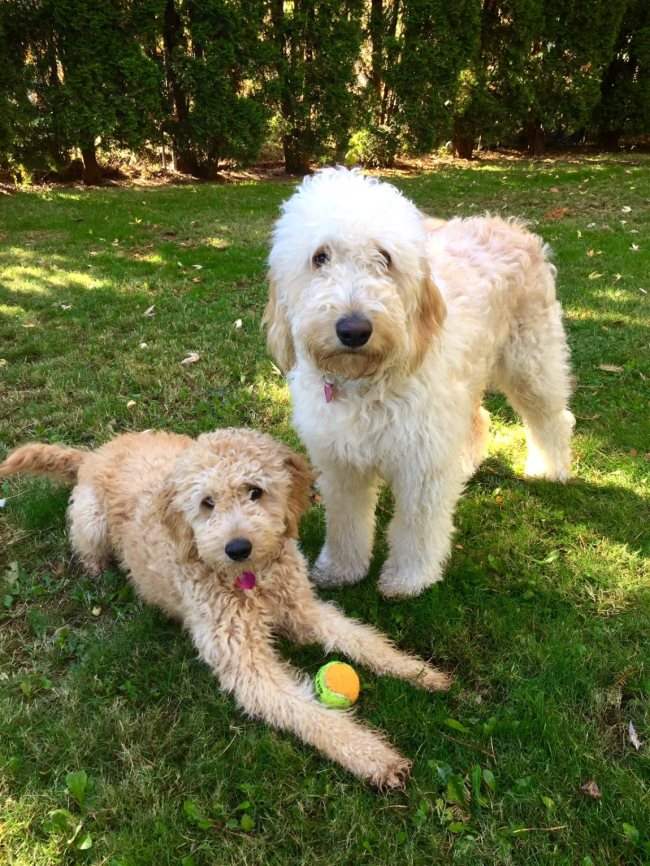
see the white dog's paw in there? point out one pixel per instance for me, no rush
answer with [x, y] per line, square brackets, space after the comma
[328, 571]
[396, 582]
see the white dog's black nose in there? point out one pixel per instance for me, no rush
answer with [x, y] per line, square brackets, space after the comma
[238, 549]
[354, 331]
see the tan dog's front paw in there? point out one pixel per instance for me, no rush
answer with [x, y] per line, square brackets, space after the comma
[394, 775]
[434, 680]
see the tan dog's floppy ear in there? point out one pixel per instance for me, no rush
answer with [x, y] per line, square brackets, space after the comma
[278, 332]
[302, 479]
[429, 319]
[175, 523]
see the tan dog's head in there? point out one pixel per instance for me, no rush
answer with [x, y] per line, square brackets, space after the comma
[232, 499]
[350, 286]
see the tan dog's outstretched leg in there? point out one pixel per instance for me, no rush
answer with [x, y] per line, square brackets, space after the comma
[320, 622]
[267, 688]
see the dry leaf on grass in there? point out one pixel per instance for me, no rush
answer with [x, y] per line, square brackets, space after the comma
[626, 209]
[591, 789]
[130, 404]
[557, 213]
[191, 358]
[634, 737]
[611, 368]
[594, 275]
[150, 311]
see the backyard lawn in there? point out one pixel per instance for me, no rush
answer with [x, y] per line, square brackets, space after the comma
[116, 746]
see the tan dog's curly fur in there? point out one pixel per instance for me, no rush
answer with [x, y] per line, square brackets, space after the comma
[167, 506]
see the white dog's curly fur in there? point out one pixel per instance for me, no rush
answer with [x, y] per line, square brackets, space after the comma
[454, 308]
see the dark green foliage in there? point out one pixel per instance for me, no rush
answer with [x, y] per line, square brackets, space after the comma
[16, 112]
[492, 96]
[315, 46]
[564, 65]
[213, 58]
[360, 80]
[625, 89]
[417, 51]
[537, 71]
[87, 75]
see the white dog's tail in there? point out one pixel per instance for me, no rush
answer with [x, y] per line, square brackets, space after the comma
[55, 461]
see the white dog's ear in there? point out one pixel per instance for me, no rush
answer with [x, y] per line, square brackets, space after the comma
[429, 319]
[278, 332]
[302, 479]
[175, 523]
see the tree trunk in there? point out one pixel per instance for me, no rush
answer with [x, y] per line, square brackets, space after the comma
[535, 138]
[296, 155]
[173, 40]
[609, 138]
[463, 141]
[92, 175]
[376, 31]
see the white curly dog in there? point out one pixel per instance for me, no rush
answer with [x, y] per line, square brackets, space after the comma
[391, 326]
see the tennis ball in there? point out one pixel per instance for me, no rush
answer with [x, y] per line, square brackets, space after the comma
[337, 685]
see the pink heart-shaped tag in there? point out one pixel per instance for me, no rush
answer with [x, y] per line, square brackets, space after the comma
[246, 580]
[328, 389]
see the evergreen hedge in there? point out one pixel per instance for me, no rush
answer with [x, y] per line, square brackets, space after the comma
[356, 80]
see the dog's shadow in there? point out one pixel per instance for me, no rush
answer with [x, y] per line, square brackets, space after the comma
[613, 512]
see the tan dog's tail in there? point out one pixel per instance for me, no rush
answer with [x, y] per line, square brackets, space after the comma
[54, 461]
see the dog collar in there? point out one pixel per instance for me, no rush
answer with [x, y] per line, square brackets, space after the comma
[246, 580]
[328, 391]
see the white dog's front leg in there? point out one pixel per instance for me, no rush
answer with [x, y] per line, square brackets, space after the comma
[421, 529]
[350, 498]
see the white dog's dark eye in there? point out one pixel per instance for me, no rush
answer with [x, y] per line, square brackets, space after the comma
[255, 493]
[320, 258]
[208, 502]
[386, 257]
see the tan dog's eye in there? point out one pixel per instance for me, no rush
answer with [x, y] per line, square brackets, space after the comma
[255, 493]
[321, 257]
[208, 503]
[386, 257]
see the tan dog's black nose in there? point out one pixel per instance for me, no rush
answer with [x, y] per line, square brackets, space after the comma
[354, 331]
[238, 549]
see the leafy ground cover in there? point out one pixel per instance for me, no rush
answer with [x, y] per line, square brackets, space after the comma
[116, 746]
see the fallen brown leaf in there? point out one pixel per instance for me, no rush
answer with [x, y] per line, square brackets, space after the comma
[591, 789]
[191, 358]
[611, 368]
[557, 213]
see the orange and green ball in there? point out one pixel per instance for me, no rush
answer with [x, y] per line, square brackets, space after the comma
[337, 685]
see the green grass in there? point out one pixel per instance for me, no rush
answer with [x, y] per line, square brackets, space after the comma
[544, 614]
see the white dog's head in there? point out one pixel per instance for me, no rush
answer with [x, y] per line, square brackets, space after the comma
[350, 286]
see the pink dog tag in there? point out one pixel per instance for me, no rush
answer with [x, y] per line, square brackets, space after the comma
[328, 388]
[246, 580]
